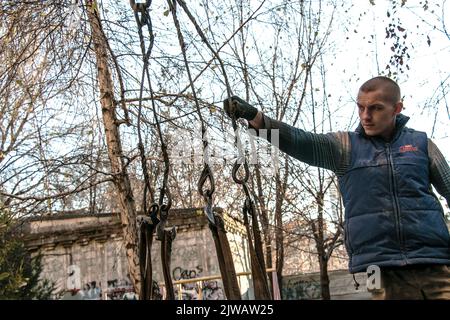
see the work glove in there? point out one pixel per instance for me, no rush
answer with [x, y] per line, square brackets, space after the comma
[239, 108]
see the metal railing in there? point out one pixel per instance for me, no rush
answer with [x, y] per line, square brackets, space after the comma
[199, 284]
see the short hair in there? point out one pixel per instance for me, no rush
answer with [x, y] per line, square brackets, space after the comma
[390, 88]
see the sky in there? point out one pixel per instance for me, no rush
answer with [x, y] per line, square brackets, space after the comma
[429, 64]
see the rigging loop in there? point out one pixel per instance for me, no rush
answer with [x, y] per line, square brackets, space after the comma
[154, 213]
[204, 176]
[165, 193]
[209, 209]
[235, 171]
[164, 214]
[207, 194]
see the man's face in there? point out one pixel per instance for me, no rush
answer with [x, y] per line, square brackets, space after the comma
[377, 116]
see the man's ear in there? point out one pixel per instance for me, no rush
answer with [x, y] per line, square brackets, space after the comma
[398, 107]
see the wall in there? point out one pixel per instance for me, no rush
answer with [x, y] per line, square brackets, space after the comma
[84, 254]
[342, 286]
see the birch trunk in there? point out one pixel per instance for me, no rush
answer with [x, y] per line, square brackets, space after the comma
[113, 142]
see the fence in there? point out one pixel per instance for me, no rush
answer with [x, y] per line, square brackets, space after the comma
[207, 288]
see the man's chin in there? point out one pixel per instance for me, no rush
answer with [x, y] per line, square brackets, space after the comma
[370, 132]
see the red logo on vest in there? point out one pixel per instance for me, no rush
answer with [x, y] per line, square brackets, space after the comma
[408, 148]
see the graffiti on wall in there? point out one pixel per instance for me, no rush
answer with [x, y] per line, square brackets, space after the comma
[295, 289]
[91, 291]
[73, 277]
[116, 289]
[212, 291]
[179, 273]
[120, 289]
[205, 290]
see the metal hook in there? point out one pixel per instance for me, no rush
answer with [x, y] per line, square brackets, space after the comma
[206, 175]
[235, 170]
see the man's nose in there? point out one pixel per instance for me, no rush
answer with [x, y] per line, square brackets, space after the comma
[365, 114]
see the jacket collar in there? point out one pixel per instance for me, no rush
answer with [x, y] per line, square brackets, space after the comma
[400, 122]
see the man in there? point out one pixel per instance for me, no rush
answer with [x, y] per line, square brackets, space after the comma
[385, 170]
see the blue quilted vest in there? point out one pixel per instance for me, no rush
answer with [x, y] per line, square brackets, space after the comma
[392, 218]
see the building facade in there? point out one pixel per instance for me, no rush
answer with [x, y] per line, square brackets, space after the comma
[84, 255]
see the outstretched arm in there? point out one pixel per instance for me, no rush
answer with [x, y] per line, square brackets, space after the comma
[330, 151]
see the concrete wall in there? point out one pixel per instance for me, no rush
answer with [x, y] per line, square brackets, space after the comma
[342, 286]
[85, 256]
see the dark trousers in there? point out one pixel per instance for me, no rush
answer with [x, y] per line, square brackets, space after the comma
[419, 282]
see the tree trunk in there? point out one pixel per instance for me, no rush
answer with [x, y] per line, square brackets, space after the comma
[279, 237]
[279, 248]
[324, 280]
[320, 245]
[113, 142]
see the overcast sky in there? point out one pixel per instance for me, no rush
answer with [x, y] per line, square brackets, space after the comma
[429, 64]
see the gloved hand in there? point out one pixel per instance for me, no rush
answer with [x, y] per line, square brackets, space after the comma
[239, 108]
